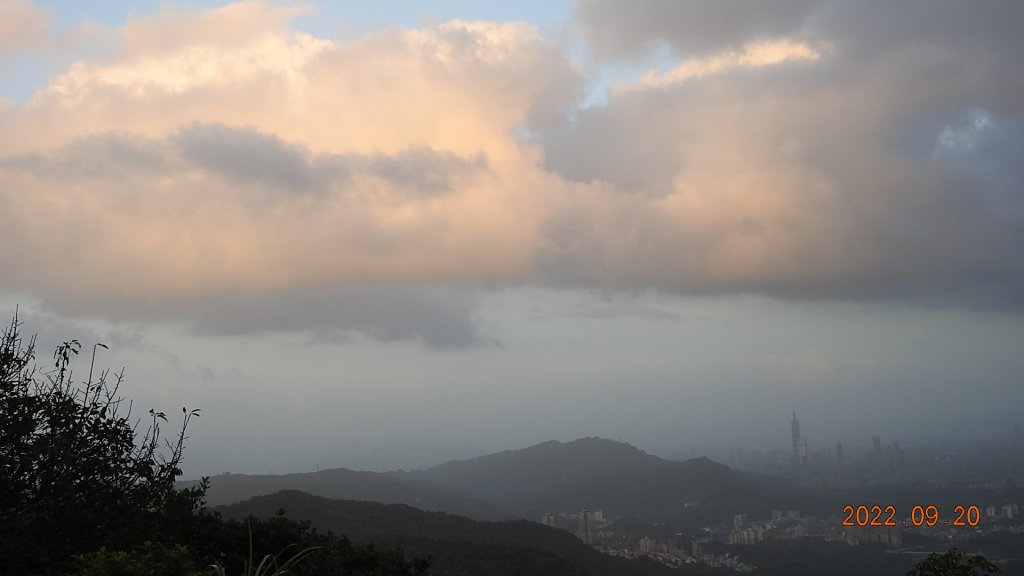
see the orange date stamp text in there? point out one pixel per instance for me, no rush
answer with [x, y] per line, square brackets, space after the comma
[919, 516]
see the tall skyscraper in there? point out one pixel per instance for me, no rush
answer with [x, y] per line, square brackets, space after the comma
[795, 427]
[876, 443]
[585, 526]
[799, 444]
[839, 452]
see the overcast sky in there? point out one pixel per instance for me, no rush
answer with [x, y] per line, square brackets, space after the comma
[385, 234]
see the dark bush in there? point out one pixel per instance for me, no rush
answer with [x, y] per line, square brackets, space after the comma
[77, 472]
[85, 488]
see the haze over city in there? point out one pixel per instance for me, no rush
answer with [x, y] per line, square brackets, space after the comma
[386, 235]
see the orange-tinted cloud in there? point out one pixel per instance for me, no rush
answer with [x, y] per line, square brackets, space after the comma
[191, 164]
[23, 26]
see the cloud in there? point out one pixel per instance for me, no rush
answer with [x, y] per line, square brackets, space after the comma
[211, 209]
[230, 26]
[759, 54]
[194, 169]
[438, 317]
[22, 26]
[197, 174]
[696, 27]
[806, 174]
[249, 157]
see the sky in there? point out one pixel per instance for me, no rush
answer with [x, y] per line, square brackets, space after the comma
[384, 235]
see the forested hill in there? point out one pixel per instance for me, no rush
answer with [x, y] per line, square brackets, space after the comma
[350, 485]
[622, 480]
[520, 475]
[457, 545]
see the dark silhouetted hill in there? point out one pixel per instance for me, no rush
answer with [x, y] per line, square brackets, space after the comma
[515, 476]
[620, 479]
[350, 485]
[457, 545]
[695, 493]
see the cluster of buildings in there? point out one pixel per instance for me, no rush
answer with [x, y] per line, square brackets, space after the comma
[783, 525]
[674, 552]
[791, 525]
[978, 462]
[592, 528]
[586, 522]
[1004, 512]
[884, 461]
[828, 469]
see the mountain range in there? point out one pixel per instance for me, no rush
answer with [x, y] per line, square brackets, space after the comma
[551, 477]
[480, 515]
[620, 479]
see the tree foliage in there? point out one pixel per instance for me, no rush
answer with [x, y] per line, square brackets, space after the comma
[149, 559]
[953, 563]
[236, 543]
[86, 488]
[77, 471]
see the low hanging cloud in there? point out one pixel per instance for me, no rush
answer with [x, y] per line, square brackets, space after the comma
[439, 317]
[189, 174]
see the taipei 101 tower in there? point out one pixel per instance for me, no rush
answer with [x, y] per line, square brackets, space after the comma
[799, 443]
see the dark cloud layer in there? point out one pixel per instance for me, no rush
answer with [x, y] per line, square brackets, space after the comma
[438, 317]
[250, 157]
[696, 27]
[247, 156]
